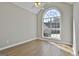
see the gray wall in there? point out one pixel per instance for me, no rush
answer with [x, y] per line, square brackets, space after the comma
[16, 25]
[76, 24]
[66, 22]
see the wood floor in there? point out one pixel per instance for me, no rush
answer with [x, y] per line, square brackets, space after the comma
[34, 48]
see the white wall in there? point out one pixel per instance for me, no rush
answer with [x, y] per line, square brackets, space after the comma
[76, 23]
[16, 25]
[66, 22]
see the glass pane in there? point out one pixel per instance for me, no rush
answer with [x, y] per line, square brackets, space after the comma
[47, 33]
[55, 31]
[47, 23]
[52, 13]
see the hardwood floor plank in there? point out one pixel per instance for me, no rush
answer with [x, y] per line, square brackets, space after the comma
[34, 48]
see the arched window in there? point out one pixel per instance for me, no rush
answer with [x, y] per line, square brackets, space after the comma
[51, 24]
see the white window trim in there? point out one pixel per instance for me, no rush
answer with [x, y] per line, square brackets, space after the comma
[52, 28]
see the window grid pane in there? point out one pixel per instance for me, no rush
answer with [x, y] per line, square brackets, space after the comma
[52, 24]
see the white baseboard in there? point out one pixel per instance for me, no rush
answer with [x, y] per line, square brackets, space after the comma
[17, 44]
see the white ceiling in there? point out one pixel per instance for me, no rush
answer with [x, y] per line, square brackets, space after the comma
[30, 6]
